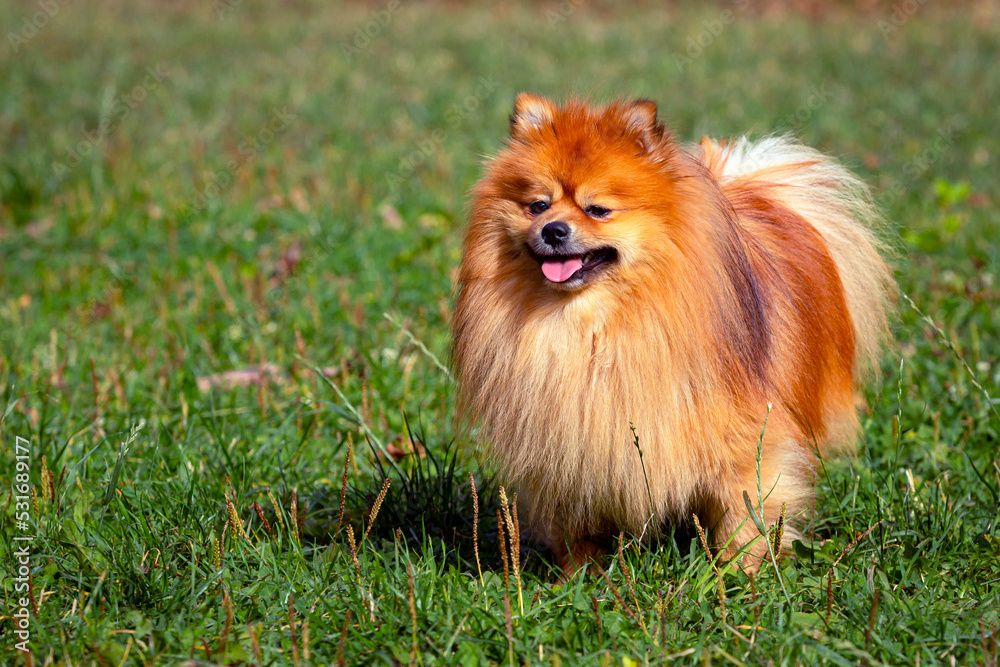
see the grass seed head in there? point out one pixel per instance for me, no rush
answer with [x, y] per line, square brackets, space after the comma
[295, 518]
[260, 515]
[475, 527]
[703, 539]
[44, 479]
[779, 530]
[343, 484]
[354, 550]
[235, 521]
[277, 508]
[377, 505]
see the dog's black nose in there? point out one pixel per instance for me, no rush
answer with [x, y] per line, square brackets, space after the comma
[555, 233]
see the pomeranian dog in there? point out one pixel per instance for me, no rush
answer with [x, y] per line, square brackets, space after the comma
[645, 330]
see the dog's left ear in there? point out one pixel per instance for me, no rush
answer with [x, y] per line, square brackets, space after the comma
[530, 111]
[639, 118]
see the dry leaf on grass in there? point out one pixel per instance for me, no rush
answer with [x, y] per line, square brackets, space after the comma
[299, 200]
[391, 217]
[400, 448]
[286, 264]
[252, 376]
[244, 377]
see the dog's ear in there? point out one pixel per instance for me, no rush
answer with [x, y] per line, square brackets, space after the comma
[530, 111]
[639, 118]
[640, 115]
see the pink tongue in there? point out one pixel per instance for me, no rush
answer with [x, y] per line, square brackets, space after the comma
[559, 272]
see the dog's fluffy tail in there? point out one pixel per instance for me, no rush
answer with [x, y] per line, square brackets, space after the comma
[838, 205]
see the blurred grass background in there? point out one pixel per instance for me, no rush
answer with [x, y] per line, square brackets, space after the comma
[193, 188]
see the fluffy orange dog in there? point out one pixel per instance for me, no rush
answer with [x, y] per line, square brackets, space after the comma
[613, 278]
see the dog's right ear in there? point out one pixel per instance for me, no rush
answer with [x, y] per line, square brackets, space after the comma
[530, 112]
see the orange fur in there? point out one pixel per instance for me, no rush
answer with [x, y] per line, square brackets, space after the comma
[735, 276]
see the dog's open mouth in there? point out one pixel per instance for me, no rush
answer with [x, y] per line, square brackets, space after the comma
[570, 268]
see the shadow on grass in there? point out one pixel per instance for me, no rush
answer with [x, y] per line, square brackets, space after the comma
[430, 505]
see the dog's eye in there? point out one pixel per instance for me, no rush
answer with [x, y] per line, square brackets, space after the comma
[539, 206]
[596, 211]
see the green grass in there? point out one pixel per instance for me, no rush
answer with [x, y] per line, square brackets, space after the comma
[122, 284]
